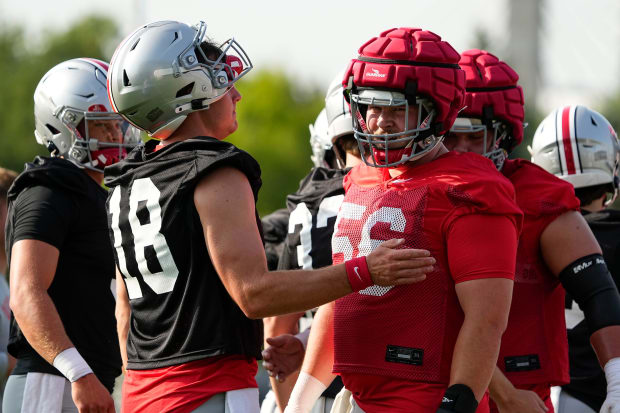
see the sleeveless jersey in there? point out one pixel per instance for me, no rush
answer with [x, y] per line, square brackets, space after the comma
[408, 332]
[534, 348]
[275, 228]
[313, 210]
[587, 379]
[180, 310]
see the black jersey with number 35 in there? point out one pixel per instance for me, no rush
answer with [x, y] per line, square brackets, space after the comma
[180, 310]
[313, 210]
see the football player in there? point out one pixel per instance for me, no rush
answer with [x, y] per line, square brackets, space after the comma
[594, 175]
[313, 209]
[556, 252]
[61, 261]
[182, 217]
[431, 346]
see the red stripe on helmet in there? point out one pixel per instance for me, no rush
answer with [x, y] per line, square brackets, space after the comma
[97, 63]
[566, 141]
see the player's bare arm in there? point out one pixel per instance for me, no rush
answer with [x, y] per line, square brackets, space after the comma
[316, 371]
[509, 399]
[567, 239]
[282, 329]
[122, 313]
[33, 265]
[235, 247]
[477, 347]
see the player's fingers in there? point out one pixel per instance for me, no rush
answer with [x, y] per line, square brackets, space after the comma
[268, 366]
[411, 272]
[419, 264]
[542, 405]
[410, 254]
[277, 341]
[409, 280]
[392, 243]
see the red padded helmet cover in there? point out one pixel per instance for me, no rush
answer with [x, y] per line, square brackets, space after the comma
[438, 76]
[491, 82]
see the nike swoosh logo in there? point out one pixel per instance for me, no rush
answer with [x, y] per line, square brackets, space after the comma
[357, 273]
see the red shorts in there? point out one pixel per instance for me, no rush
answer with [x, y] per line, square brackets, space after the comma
[375, 394]
[543, 391]
[184, 387]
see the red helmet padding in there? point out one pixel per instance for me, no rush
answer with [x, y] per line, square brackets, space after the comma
[445, 86]
[485, 71]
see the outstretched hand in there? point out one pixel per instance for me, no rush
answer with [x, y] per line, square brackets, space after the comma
[390, 265]
[283, 356]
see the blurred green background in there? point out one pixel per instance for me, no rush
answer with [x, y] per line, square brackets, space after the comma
[273, 115]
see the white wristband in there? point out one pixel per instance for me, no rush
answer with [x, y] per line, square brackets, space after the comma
[71, 364]
[303, 337]
[612, 374]
[306, 392]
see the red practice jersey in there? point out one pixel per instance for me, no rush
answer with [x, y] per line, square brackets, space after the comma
[408, 333]
[534, 347]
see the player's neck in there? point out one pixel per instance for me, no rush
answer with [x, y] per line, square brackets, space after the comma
[189, 129]
[352, 160]
[432, 155]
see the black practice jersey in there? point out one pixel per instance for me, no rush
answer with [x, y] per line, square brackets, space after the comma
[54, 201]
[275, 228]
[313, 210]
[588, 382]
[308, 244]
[180, 310]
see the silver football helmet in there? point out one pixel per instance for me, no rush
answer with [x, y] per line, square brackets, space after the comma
[166, 70]
[74, 119]
[320, 142]
[578, 145]
[339, 121]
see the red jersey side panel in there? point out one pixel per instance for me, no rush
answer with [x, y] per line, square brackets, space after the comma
[408, 332]
[534, 347]
[184, 387]
[383, 394]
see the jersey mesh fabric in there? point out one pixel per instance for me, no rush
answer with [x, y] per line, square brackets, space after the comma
[383, 394]
[536, 325]
[419, 206]
[193, 317]
[313, 209]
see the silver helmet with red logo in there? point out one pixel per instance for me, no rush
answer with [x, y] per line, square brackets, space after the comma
[411, 71]
[74, 119]
[166, 70]
[578, 145]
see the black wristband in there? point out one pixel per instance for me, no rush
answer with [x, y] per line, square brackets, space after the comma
[458, 398]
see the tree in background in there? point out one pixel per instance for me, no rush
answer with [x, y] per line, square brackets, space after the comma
[273, 119]
[273, 114]
[22, 66]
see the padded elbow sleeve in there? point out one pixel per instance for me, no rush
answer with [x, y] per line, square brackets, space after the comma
[588, 281]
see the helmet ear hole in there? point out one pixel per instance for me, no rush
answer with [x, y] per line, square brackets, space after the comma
[185, 90]
[126, 81]
[593, 121]
[52, 129]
